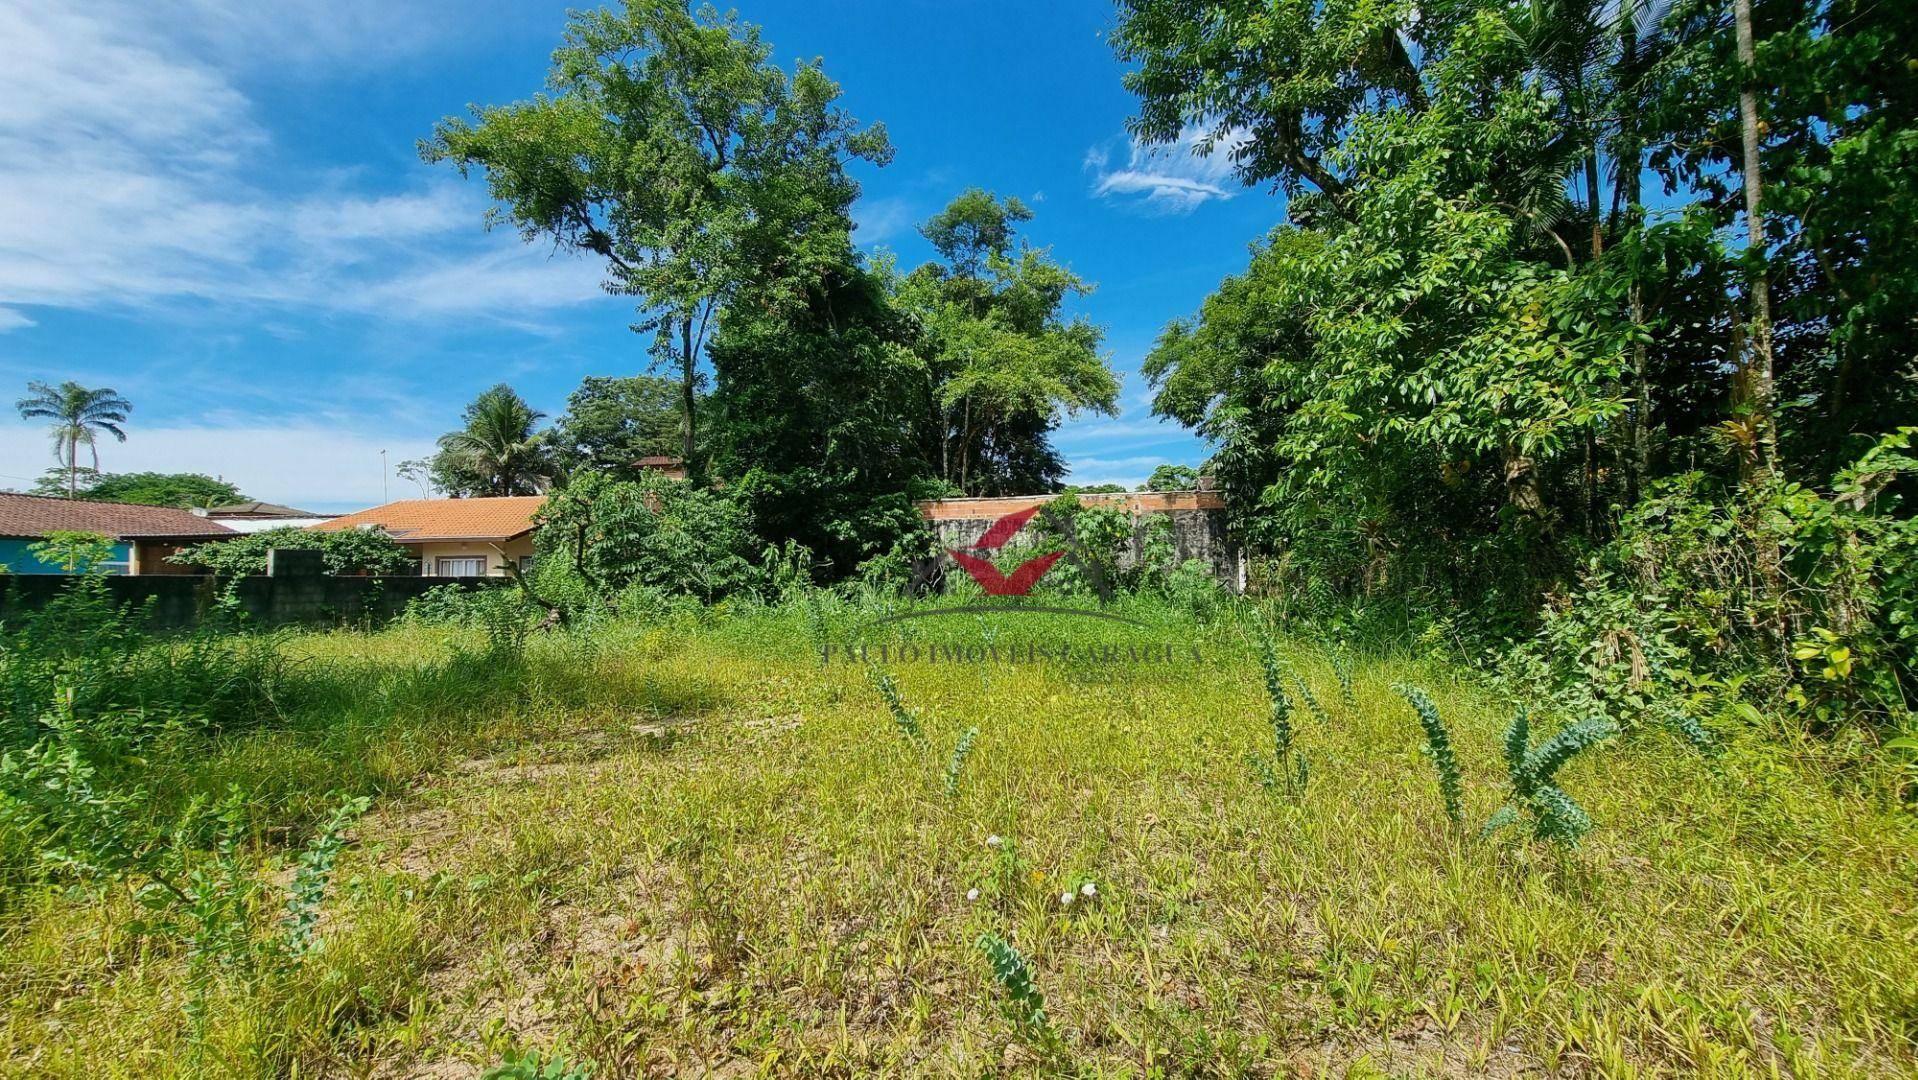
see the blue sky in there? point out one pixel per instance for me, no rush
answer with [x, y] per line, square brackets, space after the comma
[220, 212]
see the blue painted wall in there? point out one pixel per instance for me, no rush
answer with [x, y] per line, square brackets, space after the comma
[18, 560]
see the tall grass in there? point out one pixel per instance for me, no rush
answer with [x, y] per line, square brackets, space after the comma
[781, 885]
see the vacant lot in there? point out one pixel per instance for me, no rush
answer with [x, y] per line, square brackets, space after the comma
[689, 846]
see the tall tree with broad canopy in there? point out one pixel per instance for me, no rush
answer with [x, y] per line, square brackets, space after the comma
[819, 413]
[183, 490]
[668, 146]
[610, 423]
[1002, 360]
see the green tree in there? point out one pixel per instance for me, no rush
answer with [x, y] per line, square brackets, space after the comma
[669, 147]
[973, 226]
[1173, 478]
[610, 423]
[819, 413]
[1003, 362]
[1418, 377]
[183, 490]
[74, 550]
[79, 415]
[1455, 360]
[653, 533]
[1278, 86]
[496, 451]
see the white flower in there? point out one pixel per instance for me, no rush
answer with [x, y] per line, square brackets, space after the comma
[994, 841]
[972, 894]
[1088, 890]
[1065, 898]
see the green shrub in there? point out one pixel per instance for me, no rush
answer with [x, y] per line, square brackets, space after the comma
[1533, 774]
[1024, 1002]
[345, 551]
[1673, 623]
[1438, 747]
[1285, 770]
[654, 533]
[125, 685]
[501, 612]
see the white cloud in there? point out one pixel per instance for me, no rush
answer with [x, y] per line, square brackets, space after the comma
[13, 320]
[501, 282]
[311, 467]
[881, 219]
[337, 220]
[1090, 433]
[306, 33]
[1143, 463]
[134, 172]
[1173, 179]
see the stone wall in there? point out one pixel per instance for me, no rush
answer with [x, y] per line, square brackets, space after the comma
[1198, 523]
[182, 600]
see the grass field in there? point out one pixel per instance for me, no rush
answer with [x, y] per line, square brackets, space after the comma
[692, 847]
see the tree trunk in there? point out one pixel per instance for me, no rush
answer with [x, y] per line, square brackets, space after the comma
[1758, 361]
[1592, 196]
[688, 397]
[1641, 463]
[1767, 559]
[1631, 180]
[1590, 512]
[1521, 485]
[944, 418]
[73, 463]
[965, 448]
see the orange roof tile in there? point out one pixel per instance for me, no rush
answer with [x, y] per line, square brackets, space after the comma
[416, 520]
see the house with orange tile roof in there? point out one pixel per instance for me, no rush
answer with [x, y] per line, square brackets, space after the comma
[455, 537]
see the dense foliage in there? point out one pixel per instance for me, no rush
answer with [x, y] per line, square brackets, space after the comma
[654, 534]
[817, 413]
[89, 660]
[610, 424]
[183, 490]
[671, 147]
[346, 551]
[880, 388]
[1002, 362]
[1483, 376]
[715, 187]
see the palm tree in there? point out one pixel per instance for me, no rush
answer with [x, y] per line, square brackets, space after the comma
[78, 415]
[498, 445]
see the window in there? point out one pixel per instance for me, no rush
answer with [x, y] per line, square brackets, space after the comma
[461, 566]
[525, 564]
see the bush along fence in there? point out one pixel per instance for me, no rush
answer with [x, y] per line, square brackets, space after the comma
[292, 591]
